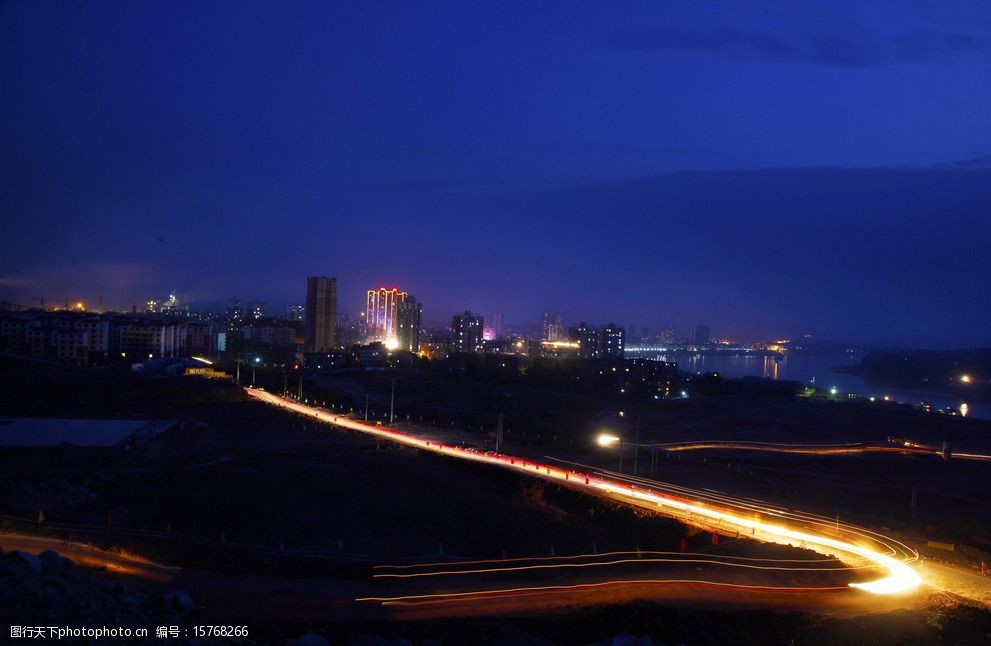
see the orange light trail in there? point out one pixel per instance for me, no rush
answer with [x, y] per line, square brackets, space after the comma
[686, 506]
[772, 447]
[637, 561]
[445, 597]
[577, 557]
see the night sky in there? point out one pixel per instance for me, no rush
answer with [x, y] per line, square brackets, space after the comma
[767, 168]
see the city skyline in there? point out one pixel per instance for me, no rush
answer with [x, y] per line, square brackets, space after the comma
[708, 165]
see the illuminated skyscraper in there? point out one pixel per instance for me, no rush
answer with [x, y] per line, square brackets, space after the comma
[380, 313]
[552, 330]
[588, 341]
[599, 343]
[409, 318]
[466, 332]
[700, 335]
[321, 313]
[612, 340]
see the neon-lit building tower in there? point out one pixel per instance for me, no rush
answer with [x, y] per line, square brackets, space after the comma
[380, 313]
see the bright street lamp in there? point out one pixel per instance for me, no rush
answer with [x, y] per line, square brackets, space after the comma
[608, 440]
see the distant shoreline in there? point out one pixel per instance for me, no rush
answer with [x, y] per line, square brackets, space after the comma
[962, 373]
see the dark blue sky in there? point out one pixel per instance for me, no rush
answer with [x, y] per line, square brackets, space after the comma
[763, 167]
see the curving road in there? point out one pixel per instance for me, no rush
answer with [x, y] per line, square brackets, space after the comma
[888, 570]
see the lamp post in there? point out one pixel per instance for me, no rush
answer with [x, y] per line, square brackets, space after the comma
[608, 440]
[636, 446]
[392, 402]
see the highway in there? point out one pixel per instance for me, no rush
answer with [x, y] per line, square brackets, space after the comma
[876, 564]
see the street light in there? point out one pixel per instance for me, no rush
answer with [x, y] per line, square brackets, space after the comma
[608, 440]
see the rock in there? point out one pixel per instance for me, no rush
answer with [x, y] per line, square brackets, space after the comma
[20, 563]
[54, 563]
[179, 600]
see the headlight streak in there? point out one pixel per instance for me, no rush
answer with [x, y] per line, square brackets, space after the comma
[900, 577]
[570, 557]
[446, 597]
[637, 561]
[775, 447]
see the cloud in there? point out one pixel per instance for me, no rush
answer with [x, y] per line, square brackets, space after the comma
[821, 47]
[81, 280]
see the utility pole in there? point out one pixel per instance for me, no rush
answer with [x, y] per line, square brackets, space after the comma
[636, 446]
[237, 375]
[366, 407]
[499, 434]
[285, 384]
[252, 375]
[392, 402]
[300, 396]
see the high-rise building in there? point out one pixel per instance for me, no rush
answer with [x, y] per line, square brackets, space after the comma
[321, 313]
[380, 313]
[612, 340]
[296, 312]
[256, 310]
[599, 343]
[587, 339]
[466, 332]
[700, 335]
[552, 328]
[497, 324]
[233, 321]
[409, 319]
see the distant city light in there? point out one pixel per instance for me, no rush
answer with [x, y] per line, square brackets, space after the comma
[391, 343]
[963, 409]
[965, 379]
[559, 344]
[201, 359]
[832, 391]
